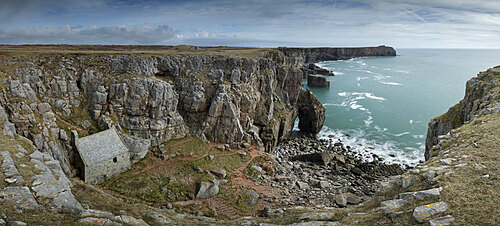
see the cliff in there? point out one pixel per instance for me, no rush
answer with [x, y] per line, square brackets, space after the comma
[236, 96]
[482, 96]
[314, 55]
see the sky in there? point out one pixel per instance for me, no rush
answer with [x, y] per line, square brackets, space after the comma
[254, 23]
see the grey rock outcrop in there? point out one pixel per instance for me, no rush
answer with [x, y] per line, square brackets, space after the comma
[311, 112]
[137, 146]
[317, 81]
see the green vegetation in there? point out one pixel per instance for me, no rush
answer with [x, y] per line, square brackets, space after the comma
[160, 181]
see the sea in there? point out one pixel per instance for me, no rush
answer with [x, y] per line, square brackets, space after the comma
[382, 105]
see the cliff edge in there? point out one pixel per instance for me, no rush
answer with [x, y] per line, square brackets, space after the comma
[482, 97]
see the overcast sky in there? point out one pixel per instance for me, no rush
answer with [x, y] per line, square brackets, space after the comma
[259, 23]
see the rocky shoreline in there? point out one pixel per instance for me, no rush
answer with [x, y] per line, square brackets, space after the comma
[322, 172]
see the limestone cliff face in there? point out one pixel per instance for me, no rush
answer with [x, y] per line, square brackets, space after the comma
[482, 97]
[314, 55]
[155, 98]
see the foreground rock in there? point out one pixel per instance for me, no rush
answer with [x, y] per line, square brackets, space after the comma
[425, 212]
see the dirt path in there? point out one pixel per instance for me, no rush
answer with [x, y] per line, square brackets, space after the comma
[160, 163]
[217, 204]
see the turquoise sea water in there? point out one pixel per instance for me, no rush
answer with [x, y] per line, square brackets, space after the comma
[382, 105]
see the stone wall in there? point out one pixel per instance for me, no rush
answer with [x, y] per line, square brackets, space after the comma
[105, 170]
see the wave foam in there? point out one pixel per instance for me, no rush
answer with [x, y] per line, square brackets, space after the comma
[391, 83]
[365, 148]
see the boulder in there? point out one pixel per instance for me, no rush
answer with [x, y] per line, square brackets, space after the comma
[206, 190]
[323, 158]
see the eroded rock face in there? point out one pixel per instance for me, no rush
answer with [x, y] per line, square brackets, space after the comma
[228, 99]
[311, 113]
[147, 108]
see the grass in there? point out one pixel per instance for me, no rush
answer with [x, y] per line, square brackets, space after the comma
[178, 175]
[78, 50]
[475, 200]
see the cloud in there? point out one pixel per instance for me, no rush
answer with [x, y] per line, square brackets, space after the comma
[139, 34]
[401, 23]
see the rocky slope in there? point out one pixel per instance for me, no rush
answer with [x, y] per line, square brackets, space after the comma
[481, 98]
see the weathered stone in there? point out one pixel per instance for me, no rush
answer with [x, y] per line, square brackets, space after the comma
[341, 200]
[16, 223]
[446, 220]
[96, 213]
[53, 184]
[158, 218]
[420, 195]
[302, 185]
[323, 158]
[44, 108]
[425, 212]
[98, 221]
[21, 197]
[316, 223]
[8, 164]
[206, 190]
[392, 206]
[254, 196]
[137, 146]
[219, 172]
[352, 199]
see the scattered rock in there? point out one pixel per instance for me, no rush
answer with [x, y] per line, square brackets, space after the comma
[96, 213]
[420, 195]
[392, 206]
[302, 185]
